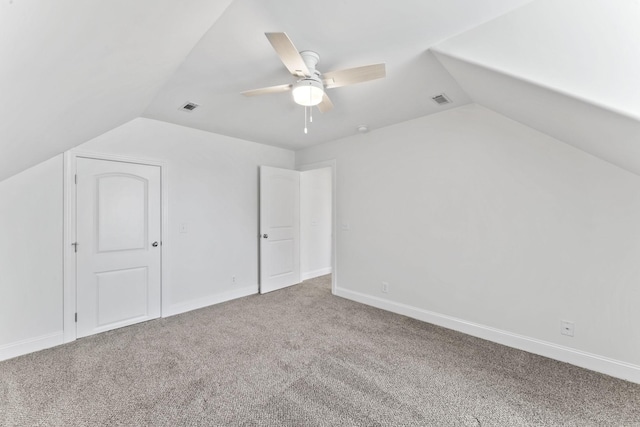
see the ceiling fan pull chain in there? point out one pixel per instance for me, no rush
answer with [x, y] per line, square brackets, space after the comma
[305, 119]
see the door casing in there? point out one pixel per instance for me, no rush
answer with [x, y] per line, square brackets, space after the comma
[69, 258]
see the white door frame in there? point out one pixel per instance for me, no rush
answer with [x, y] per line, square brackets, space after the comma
[69, 215]
[334, 209]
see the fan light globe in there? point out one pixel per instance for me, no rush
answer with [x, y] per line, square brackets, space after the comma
[308, 92]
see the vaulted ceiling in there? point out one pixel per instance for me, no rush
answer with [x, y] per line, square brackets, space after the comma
[71, 69]
[568, 68]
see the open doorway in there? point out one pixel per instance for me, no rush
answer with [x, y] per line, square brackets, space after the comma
[316, 222]
[320, 200]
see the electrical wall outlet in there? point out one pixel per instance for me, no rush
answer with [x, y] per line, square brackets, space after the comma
[567, 328]
[385, 287]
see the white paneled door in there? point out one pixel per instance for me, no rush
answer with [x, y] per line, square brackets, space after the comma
[279, 228]
[118, 244]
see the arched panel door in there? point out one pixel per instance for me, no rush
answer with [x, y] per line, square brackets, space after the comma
[118, 212]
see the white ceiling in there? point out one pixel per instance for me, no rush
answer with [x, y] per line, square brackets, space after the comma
[73, 69]
[235, 56]
[567, 68]
[605, 134]
[588, 49]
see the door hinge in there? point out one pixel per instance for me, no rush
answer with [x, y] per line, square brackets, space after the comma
[75, 178]
[75, 246]
[76, 317]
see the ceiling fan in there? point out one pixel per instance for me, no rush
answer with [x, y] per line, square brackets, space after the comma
[309, 90]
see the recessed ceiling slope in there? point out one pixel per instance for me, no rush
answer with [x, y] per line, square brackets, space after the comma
[73, 69]
[568, 69]
[586, 49]
[235, 56]
[605, 134]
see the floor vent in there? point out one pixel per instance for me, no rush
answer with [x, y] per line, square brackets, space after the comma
[189, 106]
[441, 99]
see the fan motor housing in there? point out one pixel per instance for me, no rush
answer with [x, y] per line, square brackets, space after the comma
[310, 59]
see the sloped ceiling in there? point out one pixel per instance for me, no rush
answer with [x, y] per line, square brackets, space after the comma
[609, 135]
[73, 69]
[567, 68]
[235, 56]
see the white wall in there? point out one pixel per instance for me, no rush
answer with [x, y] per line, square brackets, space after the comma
[31, 259]
[595, 59]
[213, 190]
[315, 222]
[484, 225]
[577, 83]
[475, 221]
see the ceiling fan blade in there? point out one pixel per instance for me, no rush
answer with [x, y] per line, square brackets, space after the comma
[288, 54]
[354, 75]
[326, 104]
[267, 90]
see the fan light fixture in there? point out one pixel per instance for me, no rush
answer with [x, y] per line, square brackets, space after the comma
[308, 92]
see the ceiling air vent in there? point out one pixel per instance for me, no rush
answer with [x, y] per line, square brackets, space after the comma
[189, 106]
[441, 99]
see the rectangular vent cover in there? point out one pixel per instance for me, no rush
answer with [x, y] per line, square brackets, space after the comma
[441, 99]
[189, 106]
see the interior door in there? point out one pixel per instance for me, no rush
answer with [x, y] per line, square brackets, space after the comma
[118, 244]
[279, 228]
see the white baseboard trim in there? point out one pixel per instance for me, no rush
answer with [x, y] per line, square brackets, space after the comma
[210, 300]
[594, 362]
[19, 348]
[315, 273]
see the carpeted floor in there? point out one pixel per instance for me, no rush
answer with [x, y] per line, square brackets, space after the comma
[302, 357]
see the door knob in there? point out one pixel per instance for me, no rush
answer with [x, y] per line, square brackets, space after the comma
[265, 236]
[154, 244]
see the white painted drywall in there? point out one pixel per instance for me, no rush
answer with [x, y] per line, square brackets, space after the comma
[587, 49]
[475, 217]
[213, 206]
[31, 259]
[74, 69]
[213, 191]
[315, 222]
[606, 134]
[568, 69]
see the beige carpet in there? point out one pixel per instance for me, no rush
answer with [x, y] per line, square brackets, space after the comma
[302, 357]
